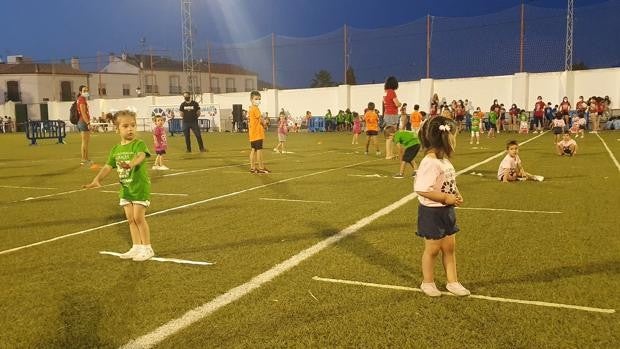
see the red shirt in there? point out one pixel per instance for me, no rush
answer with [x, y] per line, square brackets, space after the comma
[82, 101]
[565, 106]
[539, 109]
[388, 103]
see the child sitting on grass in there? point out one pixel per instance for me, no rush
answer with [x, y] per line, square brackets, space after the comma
[567, 146]
[511, 169]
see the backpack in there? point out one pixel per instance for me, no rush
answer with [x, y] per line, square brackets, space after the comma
[74, 115]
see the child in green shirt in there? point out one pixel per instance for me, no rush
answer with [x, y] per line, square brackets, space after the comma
[128, 160]
[492, 123]
[409, 148]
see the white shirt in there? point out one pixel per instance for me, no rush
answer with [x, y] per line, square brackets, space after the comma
[435, 175]
[509, 163]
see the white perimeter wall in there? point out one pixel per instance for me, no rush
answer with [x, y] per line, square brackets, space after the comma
[521, 88]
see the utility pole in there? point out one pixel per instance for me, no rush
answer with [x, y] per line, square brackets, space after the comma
[188, 46]
[568, 62]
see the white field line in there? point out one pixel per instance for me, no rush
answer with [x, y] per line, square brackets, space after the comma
[505, 210]
[161, 259]
[184, 206]
[162, 194]
[19, 187]
[488, 298]
[194, 315]
[293, 200]
[611, 155]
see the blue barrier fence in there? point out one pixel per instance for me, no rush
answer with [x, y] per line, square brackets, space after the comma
[176, 125]
[50, 129]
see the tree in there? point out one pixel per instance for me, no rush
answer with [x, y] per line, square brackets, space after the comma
[322, 79]
[580, 66]
[351, 80]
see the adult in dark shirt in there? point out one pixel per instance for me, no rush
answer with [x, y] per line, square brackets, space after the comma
[190, 111]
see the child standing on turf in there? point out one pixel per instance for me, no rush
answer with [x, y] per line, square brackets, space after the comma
[371, 119]
[511, 169]
[409, 147]
[282, 132]
[435, 184]
[492, 123]
[357, 127]
[567, 146]
[257, 134]
[128, 160]
[476, 120]
[161, 143]
[558, 125]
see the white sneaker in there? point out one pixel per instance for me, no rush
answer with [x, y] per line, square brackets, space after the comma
[144, 254]
[155, 167]
[133, 251]
[163, 168]
[430, 289]
[538, 178]
[457, 289]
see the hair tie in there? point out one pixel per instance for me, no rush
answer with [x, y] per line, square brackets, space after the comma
[445, 127]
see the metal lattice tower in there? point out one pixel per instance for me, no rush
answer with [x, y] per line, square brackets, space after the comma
[568, 63]
[188, 46]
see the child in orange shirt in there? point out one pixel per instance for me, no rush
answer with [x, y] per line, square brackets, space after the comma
[416, 119]
[257, 134]
[372, 127]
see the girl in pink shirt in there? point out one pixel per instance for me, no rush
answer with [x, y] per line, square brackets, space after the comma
[435, 184]
[160, 142]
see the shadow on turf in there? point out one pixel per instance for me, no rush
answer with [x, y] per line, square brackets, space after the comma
[45, 174]
[85, 220]
[609, 267]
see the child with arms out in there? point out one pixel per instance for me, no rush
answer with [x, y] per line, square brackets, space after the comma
[511, 169]
[435, 184]
[128, 160]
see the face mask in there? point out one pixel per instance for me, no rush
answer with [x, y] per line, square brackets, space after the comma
[187, 99]
[256, 102]
[85, 94]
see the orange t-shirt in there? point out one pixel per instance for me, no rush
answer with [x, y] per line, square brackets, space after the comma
[256, 129]
[372, 121]
[416, 119]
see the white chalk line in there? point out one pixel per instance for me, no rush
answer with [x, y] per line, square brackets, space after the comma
[611, 155]
[161, 259]
[506, 210]
[162, 194]
[293, 200]
[22, 187]
[183, 206]
[488, 298]
[173, 326]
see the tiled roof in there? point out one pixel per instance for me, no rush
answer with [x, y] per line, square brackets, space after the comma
[39, 68]
[166, 64]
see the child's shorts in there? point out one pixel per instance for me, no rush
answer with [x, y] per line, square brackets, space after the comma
[493, 126]
[435, 223]
[281, 137]
[558, 130]
[410, 153]
[160, 152]
[125, 202]
[256, 145]
[567, 151]
[372, 133]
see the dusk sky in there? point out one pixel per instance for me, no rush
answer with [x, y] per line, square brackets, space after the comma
[63, 28]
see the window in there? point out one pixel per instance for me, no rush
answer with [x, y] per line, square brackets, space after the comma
[230, 85]
[12, 91]
[175, 85]
[66, 93]
[102, 91]
[126, 89]
[149, 84]
[193, 83]
[215, 85]
[249, 85]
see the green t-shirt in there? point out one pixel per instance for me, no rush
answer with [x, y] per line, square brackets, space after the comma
[493, 117]
[406, 138]
[135, 183]
[522, 117]
[475, 124]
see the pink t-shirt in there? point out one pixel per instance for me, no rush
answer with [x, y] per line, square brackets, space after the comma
[159, 138]
[435, 175]
[509, 163]
[568, 143]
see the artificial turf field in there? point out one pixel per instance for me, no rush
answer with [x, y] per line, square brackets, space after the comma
[64, 294]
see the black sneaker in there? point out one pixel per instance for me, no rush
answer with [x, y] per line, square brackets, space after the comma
[253, 170]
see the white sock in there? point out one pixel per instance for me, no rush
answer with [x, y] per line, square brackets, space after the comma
[147, 247]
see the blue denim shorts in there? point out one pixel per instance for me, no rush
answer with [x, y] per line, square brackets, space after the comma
[436, 222]
[82, 126]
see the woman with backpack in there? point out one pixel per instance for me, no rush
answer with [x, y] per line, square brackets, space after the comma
[83, 124]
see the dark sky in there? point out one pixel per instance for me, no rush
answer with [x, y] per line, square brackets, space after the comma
[64, 28]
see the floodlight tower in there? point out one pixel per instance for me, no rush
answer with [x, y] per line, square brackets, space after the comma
[188, 47]
[568, 62]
